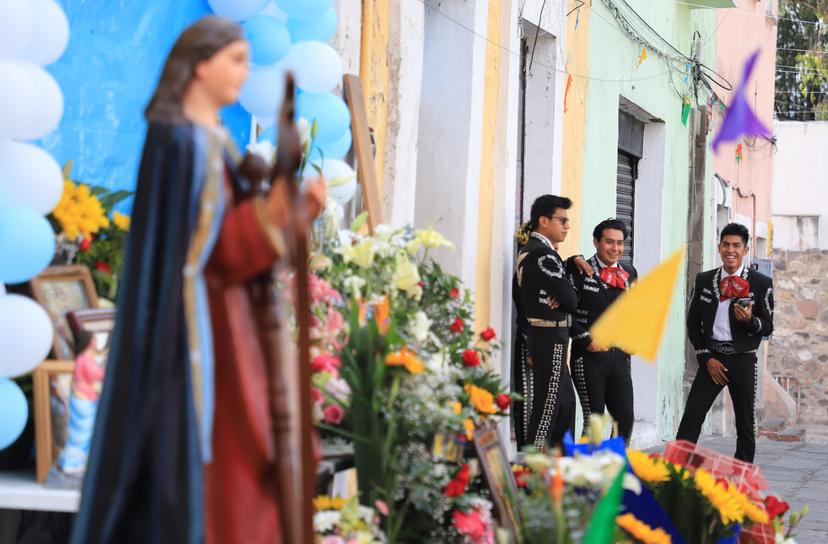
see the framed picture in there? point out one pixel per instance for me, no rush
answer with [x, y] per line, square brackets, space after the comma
[60, 290]
[99, 322]
[52, 382]
[498, 473]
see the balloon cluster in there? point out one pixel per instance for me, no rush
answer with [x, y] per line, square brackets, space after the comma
[291, 36]
[33, 34]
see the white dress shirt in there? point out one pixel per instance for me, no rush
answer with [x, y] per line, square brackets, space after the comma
[721, 325]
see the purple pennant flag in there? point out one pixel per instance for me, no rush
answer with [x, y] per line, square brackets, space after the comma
[739, 119]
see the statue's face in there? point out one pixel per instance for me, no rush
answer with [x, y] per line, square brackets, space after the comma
[222, 75]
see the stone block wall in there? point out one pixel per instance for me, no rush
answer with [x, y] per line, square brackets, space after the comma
[799, 346]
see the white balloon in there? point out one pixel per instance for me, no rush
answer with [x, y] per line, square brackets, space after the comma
[15, 27]
[48, 107]
[17, 99]
[30, 177]
[316, 66]
[50, 33]
[264, 90]
[26, 334]
[237, 10]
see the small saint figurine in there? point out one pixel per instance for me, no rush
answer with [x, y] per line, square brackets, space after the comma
[87, 378]
[183, 449]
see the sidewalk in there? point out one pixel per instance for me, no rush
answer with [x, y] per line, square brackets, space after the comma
[797, 473]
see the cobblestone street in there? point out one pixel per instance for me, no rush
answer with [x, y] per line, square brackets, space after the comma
[796, 472]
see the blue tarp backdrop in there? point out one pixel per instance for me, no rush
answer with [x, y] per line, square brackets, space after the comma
[110, 68]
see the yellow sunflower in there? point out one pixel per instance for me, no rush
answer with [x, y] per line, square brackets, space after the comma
[79, 212]
[646, 468]
[642, 532]
[121, 220]
[728, 505]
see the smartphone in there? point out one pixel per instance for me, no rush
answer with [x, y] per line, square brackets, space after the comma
[743, 302]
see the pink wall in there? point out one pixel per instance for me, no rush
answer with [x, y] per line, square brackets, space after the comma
[742, 30]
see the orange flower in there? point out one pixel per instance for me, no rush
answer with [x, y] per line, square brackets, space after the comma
[481, 399]
[406, 358]
[469, 426]
[382, 315]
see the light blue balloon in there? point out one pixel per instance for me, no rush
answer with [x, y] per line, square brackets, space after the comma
[14, 412]
[319, 28]
[269, 39]
[330, 112]
[270, 134]
[27, 245]
[304, 9]
[333, 150]
[237, 10]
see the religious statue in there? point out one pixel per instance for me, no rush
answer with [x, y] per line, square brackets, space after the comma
[87, 378]
[184, 449]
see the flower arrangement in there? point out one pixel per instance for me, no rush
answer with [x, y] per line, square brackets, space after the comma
[343, 521]
[90, 232]
[419, 381]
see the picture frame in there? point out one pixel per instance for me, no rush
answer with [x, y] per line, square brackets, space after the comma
[52, 382]
[497, 472]
[60, 290]
[100, 322]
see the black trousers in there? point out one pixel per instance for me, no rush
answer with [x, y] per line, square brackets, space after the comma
[743, 381]
[521, 380]
[603, 380]
[552, 400]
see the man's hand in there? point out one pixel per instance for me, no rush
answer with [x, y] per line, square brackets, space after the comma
[583, 266]
[595, 347]
[717, 371]
[742, 314]
[553, 303]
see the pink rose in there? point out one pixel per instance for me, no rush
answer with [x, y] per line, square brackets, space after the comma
[333, 414]
[316, 395]
[326, 363]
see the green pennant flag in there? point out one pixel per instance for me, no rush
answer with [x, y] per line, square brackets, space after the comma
[602, 523]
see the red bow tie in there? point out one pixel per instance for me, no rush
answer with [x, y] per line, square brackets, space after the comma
[615, 277]
[733, 287]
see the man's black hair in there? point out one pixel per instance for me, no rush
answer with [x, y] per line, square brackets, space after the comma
[735, 229]
[545, 206]
[615, 224]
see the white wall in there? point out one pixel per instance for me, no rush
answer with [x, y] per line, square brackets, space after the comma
[800, 191]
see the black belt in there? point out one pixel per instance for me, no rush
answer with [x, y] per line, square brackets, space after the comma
[726, 348]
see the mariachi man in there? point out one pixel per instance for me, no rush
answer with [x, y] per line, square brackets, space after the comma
[602, 377]
[545, 301]
[731, 309]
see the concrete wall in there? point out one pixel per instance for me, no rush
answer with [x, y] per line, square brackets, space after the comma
[800, 198]
[661, 204]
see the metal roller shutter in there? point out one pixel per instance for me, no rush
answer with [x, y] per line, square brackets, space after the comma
[625, 198]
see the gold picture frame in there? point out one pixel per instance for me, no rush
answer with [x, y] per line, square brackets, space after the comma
[50, 380]
[497, 471]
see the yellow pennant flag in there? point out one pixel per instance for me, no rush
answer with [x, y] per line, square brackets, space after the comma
[643, 56]
[635, 321]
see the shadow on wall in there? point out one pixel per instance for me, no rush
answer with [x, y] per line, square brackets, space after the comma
[107, 73]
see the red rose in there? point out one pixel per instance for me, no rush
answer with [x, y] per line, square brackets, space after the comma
[333, 414]
[85, 245]
[457, 486]
[774, 507]
[471, 358]
[503, 401]
[488, 335]
[469, 524]
[103, 267]
[457, 326]
[454, 293]
[519, 475]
